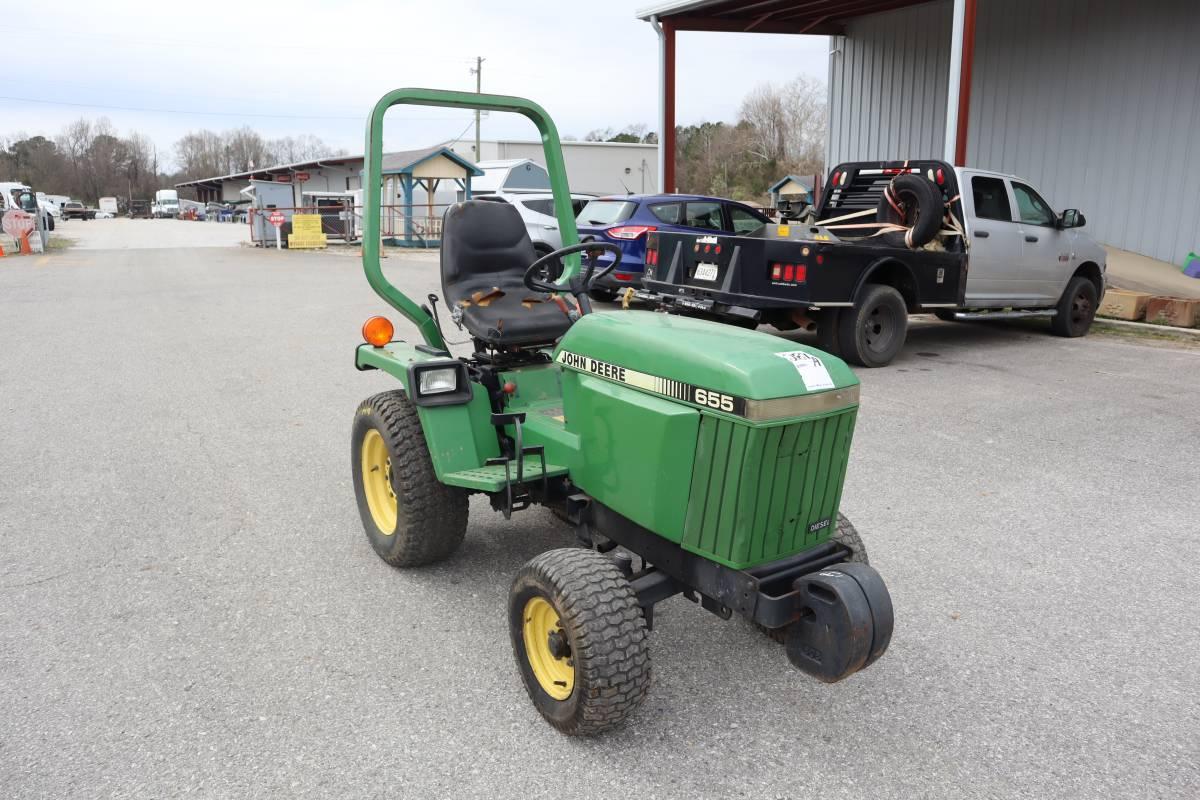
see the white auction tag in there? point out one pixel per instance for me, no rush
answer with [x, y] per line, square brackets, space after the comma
[812, 370]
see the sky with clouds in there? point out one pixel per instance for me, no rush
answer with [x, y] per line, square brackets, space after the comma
[302, 66]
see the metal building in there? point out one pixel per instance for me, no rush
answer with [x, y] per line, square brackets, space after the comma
[1095, 101]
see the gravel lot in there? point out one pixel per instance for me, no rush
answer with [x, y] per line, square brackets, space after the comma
[123, 233]
[188, 606]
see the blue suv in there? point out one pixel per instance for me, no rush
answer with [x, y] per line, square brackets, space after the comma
[626, 219]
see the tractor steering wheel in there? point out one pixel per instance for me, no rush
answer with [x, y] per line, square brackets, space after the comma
[580, 284]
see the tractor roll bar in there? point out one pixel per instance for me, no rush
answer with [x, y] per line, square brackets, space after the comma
[373, 186]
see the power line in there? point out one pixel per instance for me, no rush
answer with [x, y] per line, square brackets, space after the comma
[356, 118]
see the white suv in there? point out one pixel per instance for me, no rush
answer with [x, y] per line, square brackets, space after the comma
[537, 212]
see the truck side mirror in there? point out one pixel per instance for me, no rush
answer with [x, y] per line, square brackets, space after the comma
[1071, 218]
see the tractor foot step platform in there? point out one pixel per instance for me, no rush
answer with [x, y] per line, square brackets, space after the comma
[494, 478]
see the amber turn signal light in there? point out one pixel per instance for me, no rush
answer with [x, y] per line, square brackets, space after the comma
[377, 331]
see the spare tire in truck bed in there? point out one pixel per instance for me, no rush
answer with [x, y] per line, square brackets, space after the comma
[915, 202]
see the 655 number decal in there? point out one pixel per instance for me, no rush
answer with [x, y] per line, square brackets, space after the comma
[707, 397]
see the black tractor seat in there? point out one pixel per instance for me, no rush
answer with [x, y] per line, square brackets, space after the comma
[485, 252]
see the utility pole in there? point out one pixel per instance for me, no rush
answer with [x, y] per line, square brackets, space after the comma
[477, 71]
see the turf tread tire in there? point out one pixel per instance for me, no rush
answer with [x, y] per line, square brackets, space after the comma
[432, 517]
[598, 610]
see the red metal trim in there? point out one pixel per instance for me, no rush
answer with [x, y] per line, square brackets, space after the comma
[668, 122]
[964, 82]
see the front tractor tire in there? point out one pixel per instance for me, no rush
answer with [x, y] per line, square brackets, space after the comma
[579, 639]
[410, 517]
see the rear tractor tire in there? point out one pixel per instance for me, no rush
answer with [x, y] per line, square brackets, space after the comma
[410, 517]
[579, 639]
[872, 333]
[1076, 309]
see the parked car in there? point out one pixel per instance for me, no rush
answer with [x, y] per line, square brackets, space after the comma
[139, 209]
[103, 215]
[537, 212]
[74, 210]
[627, 220]
[858, 287]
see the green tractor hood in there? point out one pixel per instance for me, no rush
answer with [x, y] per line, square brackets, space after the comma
[747, 374]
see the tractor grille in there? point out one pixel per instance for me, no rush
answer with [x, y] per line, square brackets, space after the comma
[760, 494]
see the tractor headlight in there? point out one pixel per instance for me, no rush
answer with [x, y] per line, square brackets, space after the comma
[439, 383]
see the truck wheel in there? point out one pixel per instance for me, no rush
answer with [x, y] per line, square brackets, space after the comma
[579, 639]
[827, 330]
[872, 332]
[410, 517]
[845, 534]
[1076, 309]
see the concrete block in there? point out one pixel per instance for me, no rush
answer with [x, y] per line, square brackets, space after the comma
[1177, 311]
[1123, 304]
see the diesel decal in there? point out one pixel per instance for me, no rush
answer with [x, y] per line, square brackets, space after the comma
[676, 390]
[818, 525]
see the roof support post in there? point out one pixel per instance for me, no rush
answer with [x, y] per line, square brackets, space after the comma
[666, 103]
[958, 94]
[407, 186]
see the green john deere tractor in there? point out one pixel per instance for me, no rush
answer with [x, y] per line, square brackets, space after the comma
[688, 457]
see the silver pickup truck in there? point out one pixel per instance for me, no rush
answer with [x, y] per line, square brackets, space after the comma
[889, 239]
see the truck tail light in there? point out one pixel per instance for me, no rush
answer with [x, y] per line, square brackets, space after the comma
[941, 177]
[789, 273]
[629, 232]
[836, 175]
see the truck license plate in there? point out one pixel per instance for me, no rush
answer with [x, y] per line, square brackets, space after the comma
[706, 272]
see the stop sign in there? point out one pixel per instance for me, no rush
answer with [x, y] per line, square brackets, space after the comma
[275, 218]
[17, 223]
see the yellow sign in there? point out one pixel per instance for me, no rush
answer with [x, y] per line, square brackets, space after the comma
[306, 223]
[306, 232]
[784, 230]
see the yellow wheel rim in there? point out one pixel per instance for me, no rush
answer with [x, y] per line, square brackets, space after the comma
[547, 649]
[377, 482]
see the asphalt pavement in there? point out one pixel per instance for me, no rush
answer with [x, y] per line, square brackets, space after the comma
[189, 607]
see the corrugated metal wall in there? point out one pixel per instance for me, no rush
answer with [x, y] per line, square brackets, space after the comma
[887, 86]
[1097, 102]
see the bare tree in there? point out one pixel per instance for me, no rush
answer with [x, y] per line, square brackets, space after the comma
[305, 147]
